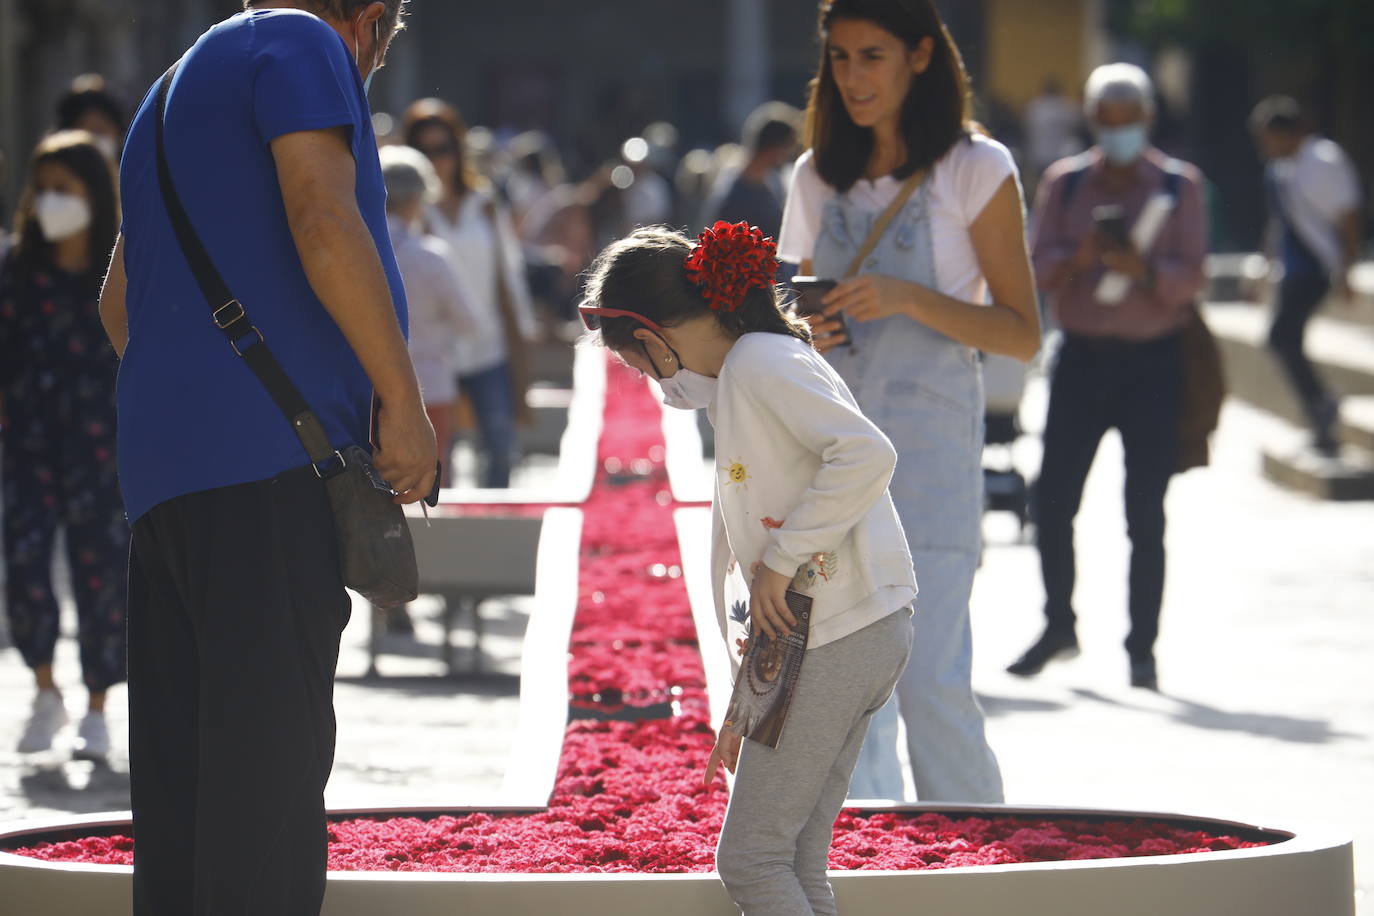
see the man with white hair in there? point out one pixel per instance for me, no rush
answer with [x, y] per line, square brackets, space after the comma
[441, 309]
[1118, 241]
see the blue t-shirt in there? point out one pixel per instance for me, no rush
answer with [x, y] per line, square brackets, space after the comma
[192, 416]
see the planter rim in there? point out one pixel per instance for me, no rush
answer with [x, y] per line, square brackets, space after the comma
[1286, 842]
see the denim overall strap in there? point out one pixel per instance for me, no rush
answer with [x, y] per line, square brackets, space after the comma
[921, 388]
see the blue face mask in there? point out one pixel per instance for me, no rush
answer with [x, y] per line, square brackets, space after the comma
[357, 57]
[1122, 145]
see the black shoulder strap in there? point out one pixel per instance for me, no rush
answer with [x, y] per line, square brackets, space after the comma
[228, 313]
[1173, 180]
[1071, 181]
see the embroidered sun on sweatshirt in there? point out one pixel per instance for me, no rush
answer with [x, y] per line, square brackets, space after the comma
[801, 480]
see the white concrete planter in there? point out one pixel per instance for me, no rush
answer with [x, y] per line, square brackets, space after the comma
[1305, 874]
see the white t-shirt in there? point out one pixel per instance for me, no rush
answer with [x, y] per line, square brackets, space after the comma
[961, 185]
[474, 252]
[1318, 187]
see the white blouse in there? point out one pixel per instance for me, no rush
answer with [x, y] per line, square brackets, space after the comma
[473, 243]
[961, 185]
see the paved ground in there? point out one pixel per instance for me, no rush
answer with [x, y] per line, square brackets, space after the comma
[1267, 713]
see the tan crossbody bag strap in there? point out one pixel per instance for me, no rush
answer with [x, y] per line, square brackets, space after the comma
[876, 234]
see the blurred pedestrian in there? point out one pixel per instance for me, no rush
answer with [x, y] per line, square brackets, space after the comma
[755, 194]
[441, 311]
[88, 105]
[236, 592]
[648, 196]
[1119, 238]
[57, 378]
[536, 174]
[492, 361]
[1314, 207]
[944, 275]
[1051, 126]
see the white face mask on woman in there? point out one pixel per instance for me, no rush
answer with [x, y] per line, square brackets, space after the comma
[61, 215]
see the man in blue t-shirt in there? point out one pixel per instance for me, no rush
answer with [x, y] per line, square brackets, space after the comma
[236, 597]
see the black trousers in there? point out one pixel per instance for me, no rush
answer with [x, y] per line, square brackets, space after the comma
[236, 606]
[1300, 295]
[1097, 385]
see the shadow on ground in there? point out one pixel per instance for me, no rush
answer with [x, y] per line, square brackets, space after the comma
[1295, 729]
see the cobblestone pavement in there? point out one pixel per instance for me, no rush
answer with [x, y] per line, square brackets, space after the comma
[1266, 715]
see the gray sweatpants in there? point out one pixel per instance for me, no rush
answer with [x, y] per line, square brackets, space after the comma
[775, 843]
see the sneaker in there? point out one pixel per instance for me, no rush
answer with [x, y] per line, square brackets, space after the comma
[1144, 674]
[1325, 423]
[48, 717]
[1054, 645]
[92, 738]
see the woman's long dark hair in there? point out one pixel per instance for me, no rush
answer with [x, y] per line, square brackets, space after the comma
[427, 113]
[645, 273]
[77, 152]
[935, 115]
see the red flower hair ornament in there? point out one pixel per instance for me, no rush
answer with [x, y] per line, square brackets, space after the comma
[728, 260]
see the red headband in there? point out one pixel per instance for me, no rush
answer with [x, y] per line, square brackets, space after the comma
[728, 260]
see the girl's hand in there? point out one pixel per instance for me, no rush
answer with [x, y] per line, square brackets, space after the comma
[768, 603]
[869, 297]
[726, 751]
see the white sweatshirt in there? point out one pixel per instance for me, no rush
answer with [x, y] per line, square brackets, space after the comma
[802, 478]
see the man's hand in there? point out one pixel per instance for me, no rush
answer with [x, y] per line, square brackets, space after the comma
[725, 752]
[1126, 261]
[768, 603]
[406, 450]
[1088, 255]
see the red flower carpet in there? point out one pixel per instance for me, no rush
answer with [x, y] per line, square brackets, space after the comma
[628, 796]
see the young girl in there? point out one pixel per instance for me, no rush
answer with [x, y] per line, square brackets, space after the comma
[57, 381]
[802, 483]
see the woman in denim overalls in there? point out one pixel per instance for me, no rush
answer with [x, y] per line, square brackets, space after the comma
[891, 102]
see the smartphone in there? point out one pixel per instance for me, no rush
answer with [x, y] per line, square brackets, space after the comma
[810, 291]
[1110, 220]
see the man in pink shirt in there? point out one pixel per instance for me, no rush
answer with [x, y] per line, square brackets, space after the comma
[1118, 240]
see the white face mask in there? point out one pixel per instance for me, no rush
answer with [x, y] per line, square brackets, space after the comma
[60, 215]
[688, 390]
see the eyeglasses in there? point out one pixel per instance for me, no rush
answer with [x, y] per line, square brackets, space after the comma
[591, 317]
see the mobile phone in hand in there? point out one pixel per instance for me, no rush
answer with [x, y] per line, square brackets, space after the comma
[1110, 220]
[810, 291]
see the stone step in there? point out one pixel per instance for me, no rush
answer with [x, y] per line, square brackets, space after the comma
[1357, 421]
[1342, 351]
[1348, 477]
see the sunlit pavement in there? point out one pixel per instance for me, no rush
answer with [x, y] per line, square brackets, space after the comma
[1266, 714]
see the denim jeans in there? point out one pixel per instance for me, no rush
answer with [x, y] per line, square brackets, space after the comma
[1300, 295]
[493, 401]
[1135, 387]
